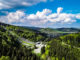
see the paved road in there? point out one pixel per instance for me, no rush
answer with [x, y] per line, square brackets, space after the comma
[22, 40]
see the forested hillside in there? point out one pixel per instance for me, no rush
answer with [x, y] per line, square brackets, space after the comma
[11, 48]
[63, 48]
[18, 43]
[27, 33]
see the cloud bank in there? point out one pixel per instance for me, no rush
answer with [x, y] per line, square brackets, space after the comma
[6, 4]
[40, 18]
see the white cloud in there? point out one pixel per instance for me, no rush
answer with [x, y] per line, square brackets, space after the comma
[40, 18]
[39, 15]
[62, 18]
[78, 16]
[2, 5]
[5, 4]
[16, 17]
[59, 10]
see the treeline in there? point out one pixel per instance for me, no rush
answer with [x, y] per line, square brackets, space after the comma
[32, 35]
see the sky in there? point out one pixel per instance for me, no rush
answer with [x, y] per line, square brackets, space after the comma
[41, 13]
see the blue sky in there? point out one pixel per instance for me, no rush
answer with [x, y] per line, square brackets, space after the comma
[70, 6]
[41, 13]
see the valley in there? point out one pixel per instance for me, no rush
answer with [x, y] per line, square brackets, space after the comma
[19, 43]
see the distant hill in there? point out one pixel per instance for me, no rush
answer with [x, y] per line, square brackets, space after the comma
[55, 31]
[58, 30]
[33, 28]
[69, 29]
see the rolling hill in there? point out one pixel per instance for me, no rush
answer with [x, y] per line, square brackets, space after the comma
[19, 43]
[15, 42]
